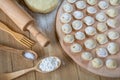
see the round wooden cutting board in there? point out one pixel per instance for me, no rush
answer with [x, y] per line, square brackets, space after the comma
[103, 71]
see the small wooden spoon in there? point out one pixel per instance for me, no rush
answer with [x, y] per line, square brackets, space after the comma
[20, 52]
[13, 75]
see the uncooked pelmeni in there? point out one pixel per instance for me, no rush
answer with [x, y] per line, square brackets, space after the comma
[71, 1]
[113, 35]
[114, 2]
[112, 23]
[90, 30]
[111, 63]
[103, 4]
[78, 15]
[113, 48]
[102, 52]
[102, 38]
[77, 25]
[102, 27]
[112, 12]
[79, 35]
[101, 17]
[86, 56]
[75, 48]
[97, 63]
[69, 39]
[92, 2]
[88, 20]
[68, 7]
[80, 4]
[90, 44]
[91, 10]
[66, 28]
[66, 18]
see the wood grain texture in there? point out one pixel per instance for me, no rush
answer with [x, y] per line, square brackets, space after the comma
[46, 23]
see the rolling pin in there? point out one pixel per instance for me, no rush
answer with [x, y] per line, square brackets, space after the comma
[22, 19]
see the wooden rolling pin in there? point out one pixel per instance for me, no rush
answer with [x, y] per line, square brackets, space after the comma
[22, 19]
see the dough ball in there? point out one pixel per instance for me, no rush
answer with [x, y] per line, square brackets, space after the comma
[113, 35]
[68, 7]
[42, 6]
[101, 52]
[114, 2]
[71, 1]
[112, 12]
[113, 48]
[88, 20]
[78, 15]
[102, 38]
[79, 35]
[77, 25]
[80, 4]
[90, 30]
[90, 44]
[75, 48]
[86, 56]
[112, 23]
[92, 2]
[102, 27]
[69, 39]
[111, 63]
[103, 4]
[101, 17]
[91, 10]
[66, 28]
[65, 18]
[97, 63]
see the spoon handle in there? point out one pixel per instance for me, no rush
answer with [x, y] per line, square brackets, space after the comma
[9, 49]
[14, 75]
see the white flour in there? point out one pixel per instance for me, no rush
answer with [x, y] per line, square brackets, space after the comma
[29, 55]
[49, 64]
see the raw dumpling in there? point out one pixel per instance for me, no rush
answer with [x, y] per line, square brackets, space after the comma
[89, 20]
[76, 48]
[80, 4]
[101, 52]
[68, 7]
[90, 30]
[111, 63]
[90, 44]
[91, 10]
[102, 27]
[102, 38]
[112, 23]
[114, 2]
[66, 28]
[71, 1]
[101, 17]
[78, 14]
[69, 39]
[112, 12]
[79, 35]
[113, 35]
[113, 48]
[86, 56]
[91, 2]
[97, 63]
[77, 25]
[103, 4]
[66, 18]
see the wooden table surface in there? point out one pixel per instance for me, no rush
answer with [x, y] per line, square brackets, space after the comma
[10, 62]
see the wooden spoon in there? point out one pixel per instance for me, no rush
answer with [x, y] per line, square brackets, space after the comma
[20, 52]
[13, 75]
